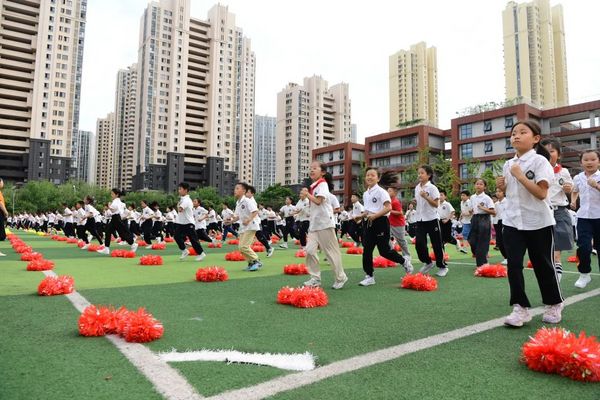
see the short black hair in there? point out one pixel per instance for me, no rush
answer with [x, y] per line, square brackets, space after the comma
[116, 191]
[443, 191]
[244, 185]
[251, 189]
[184, 186]
[589, 151]
[466, 192]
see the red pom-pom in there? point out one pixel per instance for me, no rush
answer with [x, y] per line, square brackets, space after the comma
[31, 256]
[229, 235]
[297, 242]
[348, 244]
[54, 285]
[284, 296]
[142, 243]
[217, 245]
[274, 239]
[80, 243]
[259, 248]
[233, 242]
[123, 253]
[22, 248]
[95, 247]
[354, 250]
[234, 256]
[62, 239]
[159, 246]
[169, 240]
[142, 327]
[54, 237]
[382, 262]
[419, 282]
[432, 256]
[529, 264]
[211, 274]
[151, 260]
[492, 242]
[573, 259]
[295, 269]
[309, 297]
[192, 251]
[300, 254]
[557, 351]
[397, 248]
[71, 240]
[491, 271]
[93, 320]
[459, 237]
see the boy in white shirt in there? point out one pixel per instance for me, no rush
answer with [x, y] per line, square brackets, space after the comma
[184, 224]
[246, 212]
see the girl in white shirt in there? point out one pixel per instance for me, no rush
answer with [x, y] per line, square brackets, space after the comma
[428, 223]
[481, 224]
[411, 219]
[378, 205]
[499, 207]
[587, 189]
[322, 229]
[302, 213]
[116, 208]
[528, 224]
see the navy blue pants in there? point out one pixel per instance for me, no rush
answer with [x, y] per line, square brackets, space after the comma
[587, 230]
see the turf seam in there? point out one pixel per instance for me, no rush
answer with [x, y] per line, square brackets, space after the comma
[300, 379]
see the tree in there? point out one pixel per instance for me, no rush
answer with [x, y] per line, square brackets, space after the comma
[274, 196]
[473, 168]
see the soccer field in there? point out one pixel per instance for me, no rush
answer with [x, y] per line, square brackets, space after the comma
[378, 342]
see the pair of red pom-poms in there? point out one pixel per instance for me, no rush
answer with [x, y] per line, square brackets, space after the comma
[303, 297]
[55, 285]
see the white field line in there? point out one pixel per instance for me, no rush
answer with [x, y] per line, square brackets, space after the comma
[166, 380]
[292, 362]
[300, 379]
[527, 269]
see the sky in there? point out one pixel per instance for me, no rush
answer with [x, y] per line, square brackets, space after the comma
[350, 42]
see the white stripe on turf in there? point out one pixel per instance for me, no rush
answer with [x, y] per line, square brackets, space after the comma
[292, 362]
[166, 380]
[300, 379]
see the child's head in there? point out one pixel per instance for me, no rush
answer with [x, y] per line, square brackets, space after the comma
[411, 205]
[240, 189]
[144, 203]
[79, 205]
[154, 205]
[88, 200]
[480, 185]
[385, 179]
[114, 193]
[590, 160]
[442, 195]
[288, 200]
[317, 170]
[464, 195]
[554, 149]
[392, 191]
[500, 193]
[525, 136]
[183, 188]
[425, 174]
[354, 198]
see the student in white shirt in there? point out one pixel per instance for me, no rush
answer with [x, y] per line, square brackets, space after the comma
[287, 212]
[68, 220]
[466, 212]
[146, 222]
[322, 229]
[212, 225]
[246, 212]
[262, 236]
[91, 214]
[481, 224]
[378, 205]
[587, 189]
[355, 226]
[428, 223]
[200, 217]
[499, 206]
[227, 215]
[302, 214]
[157, 223]
[411, 219]
[170, 222]
[528, 223]
[117, 208]
[446, 214]
[184, 224]
[80, 216]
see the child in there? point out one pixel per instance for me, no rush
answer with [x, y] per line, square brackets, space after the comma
[158, 222]
[200, 216]
[302, 213]
[322, 229]
[446, 214]
[466, 212]
[227, 215]
[376, 225]
[116, 209]
[481, 225]
[528, 224]
[246, 212]
[356, 228]
[262, 236]
[398, 222]
[499, 207]
[587, 189]
[411, 219]
[92, 215]
[561, 185]
[146, 223]
[184, 224]
[287, 213]
[428, 223]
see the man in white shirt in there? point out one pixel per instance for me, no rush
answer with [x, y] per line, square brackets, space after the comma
[184, 224]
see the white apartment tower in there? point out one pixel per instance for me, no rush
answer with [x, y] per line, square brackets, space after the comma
[105, 161]
[264, 152]
[126, 140]
[41, 55]
[84, 156]
[308, 117]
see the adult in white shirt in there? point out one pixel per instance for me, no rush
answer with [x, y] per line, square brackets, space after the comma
[117, 208]
[184, 224]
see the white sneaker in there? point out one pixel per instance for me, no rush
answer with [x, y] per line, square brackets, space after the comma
[313, 282]
[159, 240]
[368, 281]
[583, 280]
[122, 243]
[85, 247]
[184, 254]
[105, 250]
[552, 314]
[134, 247]
[90, 237]
[595, 252]
[149, 247]
[426, 268]
[518, 317]
[339, 284]
[408, 267]
[461, 249]
[504, 262]
[283, 245]
[270, 252]
[2, 254]
[442, 272]
[201, 257]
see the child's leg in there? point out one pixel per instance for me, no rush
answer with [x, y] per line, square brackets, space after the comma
[515, 244]
[246, 240]
[312, 261]
[331, 248]
[436, 242]
[540, 246]
[369, 242]
[421, 242]
[585, 234]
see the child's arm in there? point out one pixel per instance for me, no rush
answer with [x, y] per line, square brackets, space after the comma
[539, 190]
[387, 206]
[574, 197]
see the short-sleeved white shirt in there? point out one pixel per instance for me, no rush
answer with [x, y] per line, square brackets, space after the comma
[445, 210]
[588, 196]
[499, 207]
[357, 209]
[68, 215]
[244, 208]
[335, 204]
[481, 200]
[425, 211]
[117, 207]
[556, 193]
[466, 211]
[374, 198]
[286, 210]
[321, 215]
[303, 207]
[199, 213]
[80, 215]
[227, 214]
[523, 210]
[186, 215]
[147, 214]
[212, 217]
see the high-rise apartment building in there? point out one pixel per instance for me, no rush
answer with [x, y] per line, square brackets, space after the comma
[126, 140]
[105, 159]
[84, 156]
[263, 163]
[308, 117]
[413, 86]
[535, 59]
[41, 55]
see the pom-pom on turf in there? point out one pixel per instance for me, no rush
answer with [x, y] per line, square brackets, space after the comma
[233, 242]
[192, 251]
[142, 327]
[397, 248]
[258, 248]
[123, 253]
[529, 264]
[309, 297]
[93, 320]
[413, 240]
[71, 240]
[491, 271]
[62, 239]
[382, 262]
[354, 250]
[55, 285]
[212, 274]
[284, 296]
[347, 244]
[300, 254]
[159, 246]
[151, 260]
[22, 248]
[31, 256]
[433, 258]
[492, 242]
[95, 247]
[274, 239]
[295, 269]
[419, 282]
[234, 256]
[216, 245]
[573, 259]
[169, 240]
[558, 351]
[297, 242]
[80, 243]
[142, 243]
[40, 265]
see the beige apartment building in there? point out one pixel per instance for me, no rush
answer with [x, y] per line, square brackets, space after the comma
[308, 117]
[105, 162]
[125, 155]
[535, 59]
[413, 86]
[41, 54]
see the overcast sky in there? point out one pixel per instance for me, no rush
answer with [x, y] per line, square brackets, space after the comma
[350, 42]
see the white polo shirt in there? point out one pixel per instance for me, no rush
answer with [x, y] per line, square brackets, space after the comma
[199, 213]
[117, 207]
[481, 200]
[445, 210]
[185, 216]
[357, 209]
[523, 210]
[466, 211]
[147, 214]
[374, 198]
[303, 207]
[425, 211]
[68, 215]
[81, 216]
[588, 196]
[556, 194]
[343, 216]
[244, 208]
[158, 216]
[212, 217]
[321, 215]
[227, 215]
[335, 204]
[287, 211]
[499, 206]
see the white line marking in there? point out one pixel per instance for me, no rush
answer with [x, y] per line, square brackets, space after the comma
[297, 380]
[527, 269]
[166, 380]
[292, 362]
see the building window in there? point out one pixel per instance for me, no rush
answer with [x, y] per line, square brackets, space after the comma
[465, 131]
[466, 150]
[508, 122]
[488, 147]
[509, 147]
[487, 126]
[464, 171]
